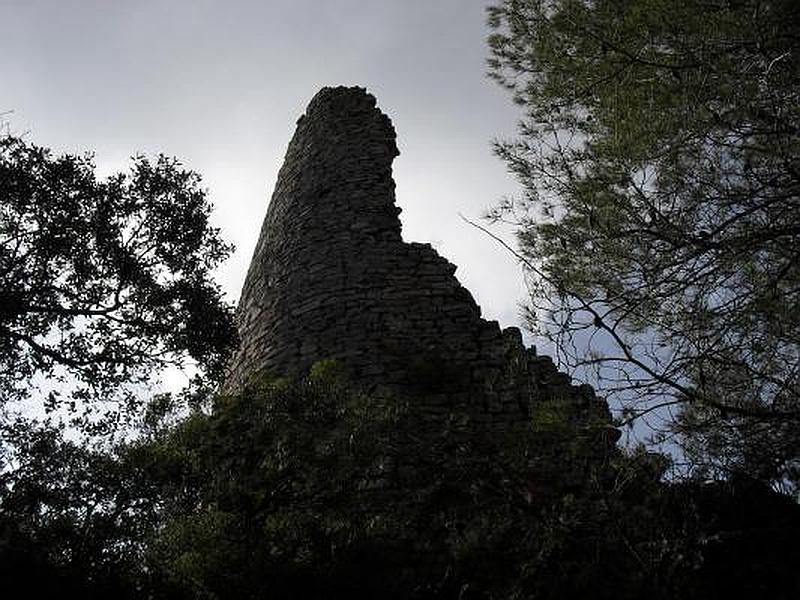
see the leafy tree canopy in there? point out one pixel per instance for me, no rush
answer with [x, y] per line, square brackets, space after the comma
[660, 220]
[103, 283]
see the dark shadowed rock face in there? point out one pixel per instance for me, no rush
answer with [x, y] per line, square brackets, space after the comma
[331, 278]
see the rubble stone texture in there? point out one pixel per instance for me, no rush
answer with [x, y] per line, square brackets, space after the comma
[332, 278]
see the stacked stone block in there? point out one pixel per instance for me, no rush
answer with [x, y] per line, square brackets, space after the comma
[332, 278]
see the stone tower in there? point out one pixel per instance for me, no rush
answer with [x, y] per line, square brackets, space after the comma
[332, 278]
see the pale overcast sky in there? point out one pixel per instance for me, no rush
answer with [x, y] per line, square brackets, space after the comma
[220, 84]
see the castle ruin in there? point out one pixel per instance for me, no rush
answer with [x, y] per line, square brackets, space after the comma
[332, 278]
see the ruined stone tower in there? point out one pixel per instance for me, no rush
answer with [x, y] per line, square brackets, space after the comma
[332, 278]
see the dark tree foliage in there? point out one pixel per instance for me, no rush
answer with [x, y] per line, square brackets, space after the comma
[306, 489]
[72, 519]
[659, 155]
[102, 283]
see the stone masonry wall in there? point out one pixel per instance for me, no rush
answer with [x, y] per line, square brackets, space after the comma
[331, 278]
